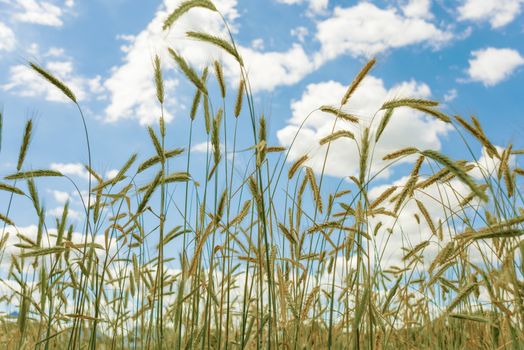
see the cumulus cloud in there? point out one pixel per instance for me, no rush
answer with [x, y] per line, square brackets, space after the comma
[131, 84]
[492, 65]
[23, 81]
[497, 12]
[407, 128]
[71, 169]
[365, 30]
[268, 70]
[40, 12]
[417, 8]
[7, 38]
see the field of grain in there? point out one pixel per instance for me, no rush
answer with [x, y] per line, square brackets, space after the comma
[268, 255]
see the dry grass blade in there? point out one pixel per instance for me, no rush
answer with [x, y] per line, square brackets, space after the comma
[409, 102]
[180, 176]
[197, 98]
[433, 112]
[261, 148]
[156, 142]
[156, 159]
[442, 256]
[364, 155]
[382, 197]
[479, 135]
[215, 136]
[53, 80]
[501, 233]
[6, 220]
[419, 247]
[150, 189]
[220, 78]
[121, 173]
[337, 135]
[358, 79]
[427, 217]
[25, 144]
[159, 81]
[400, 153]
[383, 123]
[188, 71]
[185, 7]
[287, 233]
[457, 171]
[296, 165]
[391, 294]
[463, 295]
[473, 318]
[240, 97]
[198, 249]
[9, 188]
[339, 113]
[214, 40]
[33, 173]
[314, 188]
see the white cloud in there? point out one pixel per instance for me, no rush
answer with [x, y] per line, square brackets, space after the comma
[71, 213]
[257, 44]
[407, 128]
[497, 12]
[39, 12]
[492, 65]
[71, 169]
[417, 8]
[23, 81]
[314, 6]
[60, 196]
[131, 84]
[450, 95]
[267, 70]
[365, 30]
[7, 38]
[204, 147]
[318, 6]
[300, 33]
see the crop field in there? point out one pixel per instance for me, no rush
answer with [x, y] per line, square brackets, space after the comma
[258, 244]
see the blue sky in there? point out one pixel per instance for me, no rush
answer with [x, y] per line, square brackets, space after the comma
[468, 54]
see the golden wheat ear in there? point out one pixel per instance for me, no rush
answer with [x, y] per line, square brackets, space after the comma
[185, 7]
[54, 80]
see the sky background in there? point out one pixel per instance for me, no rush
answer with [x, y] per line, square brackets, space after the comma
[300, 54]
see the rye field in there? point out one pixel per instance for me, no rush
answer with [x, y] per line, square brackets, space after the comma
[272, 253]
